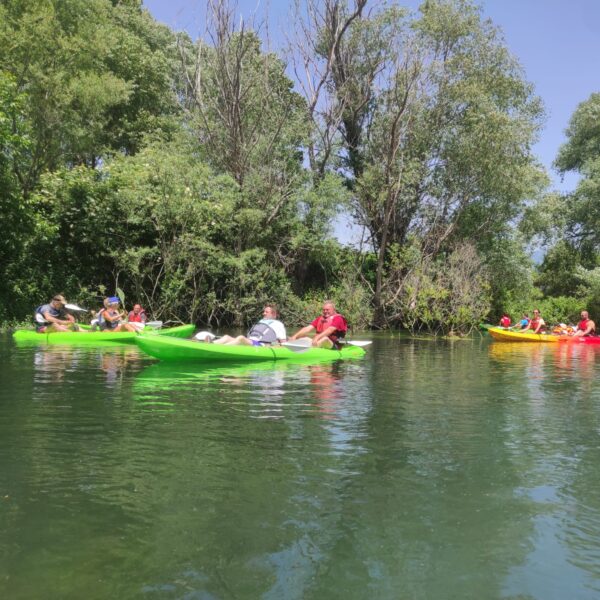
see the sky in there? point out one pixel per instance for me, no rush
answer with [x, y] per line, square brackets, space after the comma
[556, 41]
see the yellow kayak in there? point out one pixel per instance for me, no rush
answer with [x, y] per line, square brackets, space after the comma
[506, 335]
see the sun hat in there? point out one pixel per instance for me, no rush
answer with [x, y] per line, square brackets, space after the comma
[113, 300]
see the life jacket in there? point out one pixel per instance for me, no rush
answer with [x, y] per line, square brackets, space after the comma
[261, 332]
[104, 323]
[323, 323]
[533, 323]
[505, 322]
[38, 315]
[133, 318]
[582, 326]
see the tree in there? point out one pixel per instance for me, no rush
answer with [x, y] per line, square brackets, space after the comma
[436, 130]
[96, 76]
[252, 125]
[581, 154]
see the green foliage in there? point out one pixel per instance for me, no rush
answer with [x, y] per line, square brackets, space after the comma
[581, 153]
[97, 77]
[558, 273]
[583, 137]
[510, 273]
[448, 294]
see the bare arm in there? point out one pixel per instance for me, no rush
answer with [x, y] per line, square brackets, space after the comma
[325, 333]
[112, 318]
[68, 319]
[304, 331]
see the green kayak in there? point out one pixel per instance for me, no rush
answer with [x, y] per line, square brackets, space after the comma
[94, 337]
[189, 350]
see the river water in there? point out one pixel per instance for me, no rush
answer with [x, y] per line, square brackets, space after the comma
[428, 469]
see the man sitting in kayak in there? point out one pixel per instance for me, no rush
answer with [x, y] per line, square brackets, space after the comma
[137, 315]
[505, 321]
[330, 328]
[109, 317]
[269, 330]
[53, 316]
[536, 324]
[586, 326]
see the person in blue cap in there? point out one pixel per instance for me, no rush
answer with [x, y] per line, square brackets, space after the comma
[110, 318]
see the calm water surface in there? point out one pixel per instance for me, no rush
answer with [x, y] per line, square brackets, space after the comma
[426, 470]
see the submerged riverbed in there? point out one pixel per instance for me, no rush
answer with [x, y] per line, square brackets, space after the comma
[429, 469]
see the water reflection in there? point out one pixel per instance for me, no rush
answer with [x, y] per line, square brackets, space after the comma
[560, 431]
[262, 390]
[427, 470]
[53, 364]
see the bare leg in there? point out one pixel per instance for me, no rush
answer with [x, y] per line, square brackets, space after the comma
[325, 343]
[240, 340]
[226, 339]
[55, 327]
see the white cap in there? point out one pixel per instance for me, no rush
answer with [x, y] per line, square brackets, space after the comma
[203, 336]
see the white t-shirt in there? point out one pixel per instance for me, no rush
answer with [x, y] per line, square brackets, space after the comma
[277, 326]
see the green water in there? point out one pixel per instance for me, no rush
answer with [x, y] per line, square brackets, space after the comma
[426, 470]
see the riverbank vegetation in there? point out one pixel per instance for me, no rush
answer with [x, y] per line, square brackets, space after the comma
[203, 176]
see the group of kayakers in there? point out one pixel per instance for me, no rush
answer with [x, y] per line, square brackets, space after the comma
[536, 324]
[56, 316]
[329, 328]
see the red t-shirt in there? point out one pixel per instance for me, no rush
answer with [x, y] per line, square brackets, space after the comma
[337, 321]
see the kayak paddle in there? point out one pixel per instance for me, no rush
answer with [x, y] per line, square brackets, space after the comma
[305, 344]
[75, 308]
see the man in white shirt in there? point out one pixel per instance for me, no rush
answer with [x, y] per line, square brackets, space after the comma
[269, 330]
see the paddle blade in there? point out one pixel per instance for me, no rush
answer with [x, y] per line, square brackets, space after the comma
[296, 346]
[75, 308]
[360, 343]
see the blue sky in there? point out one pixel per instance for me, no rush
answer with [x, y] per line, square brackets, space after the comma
[556, 41]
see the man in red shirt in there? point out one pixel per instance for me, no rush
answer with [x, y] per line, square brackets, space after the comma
[505, 321]
[329, 328]
[586, 326]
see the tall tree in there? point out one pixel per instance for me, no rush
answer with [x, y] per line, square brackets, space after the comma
[436, 129]
[97, 77]
[581, 154]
